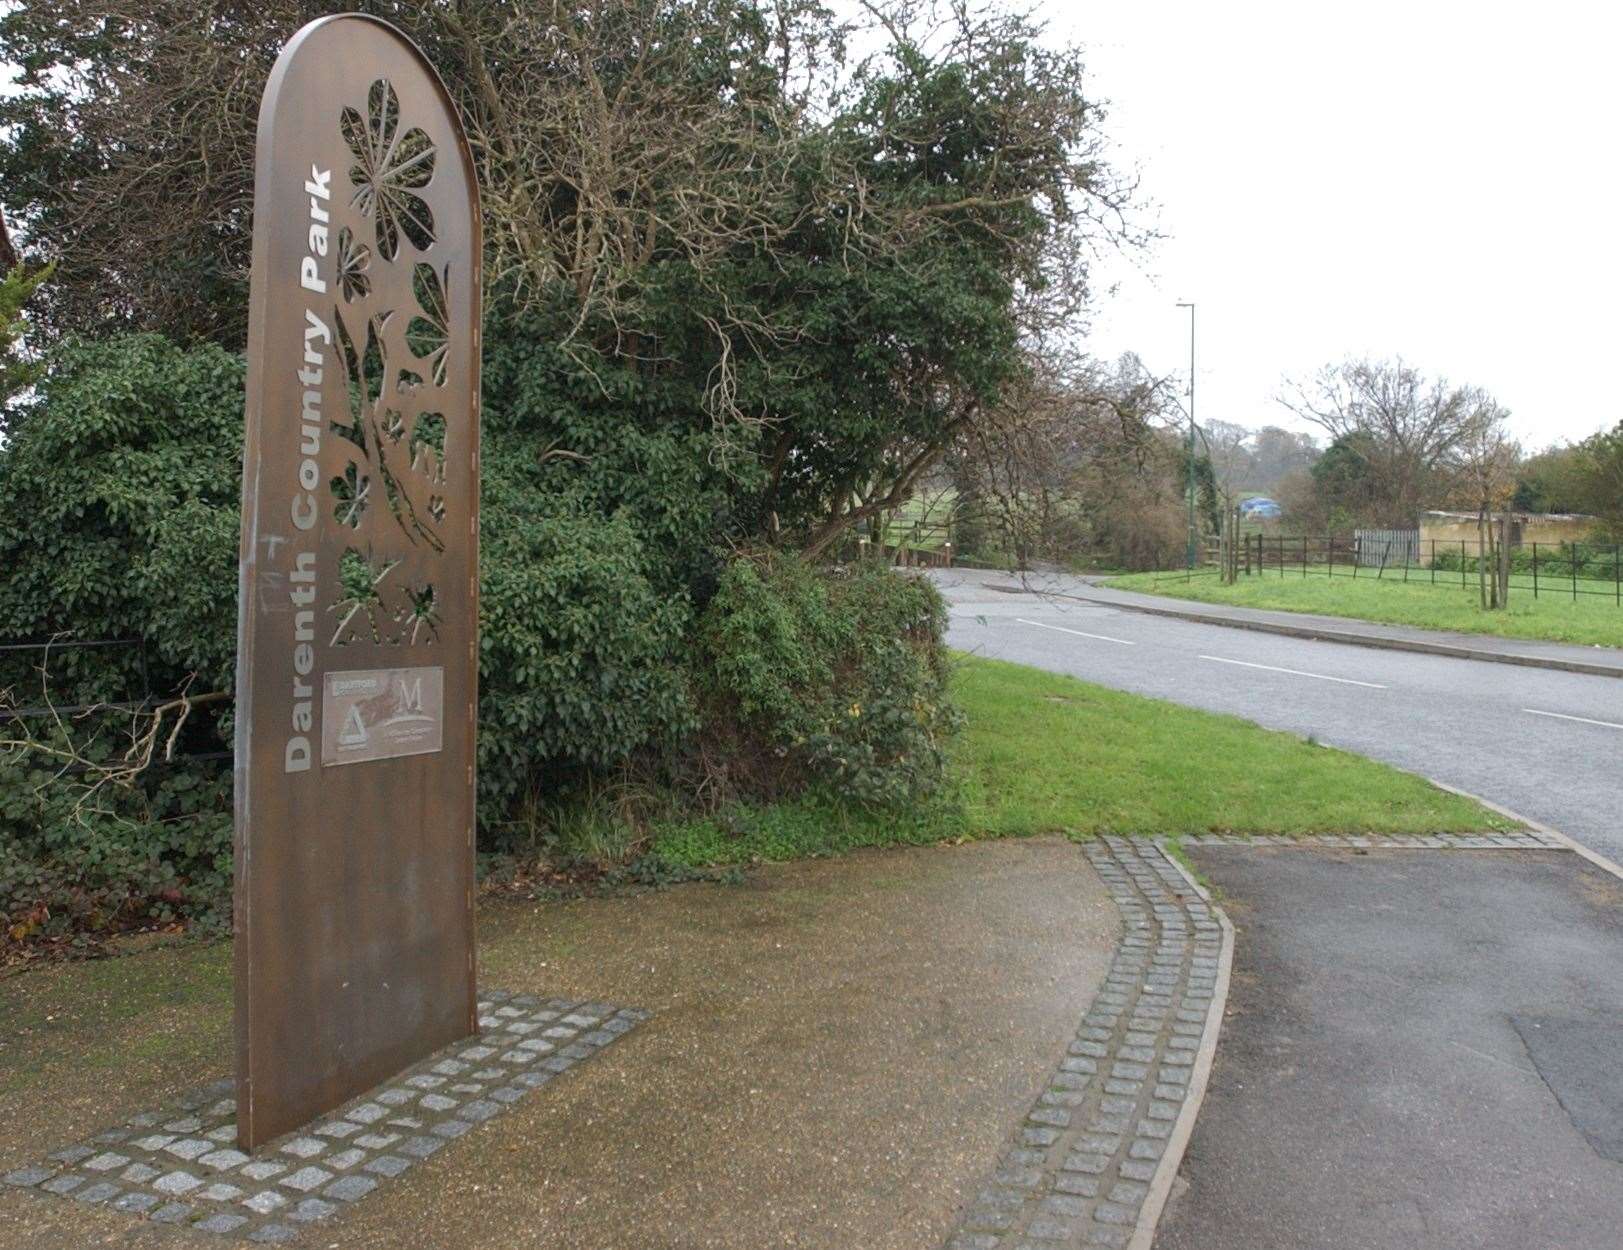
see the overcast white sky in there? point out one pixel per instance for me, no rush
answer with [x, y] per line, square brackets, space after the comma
[1433, 179]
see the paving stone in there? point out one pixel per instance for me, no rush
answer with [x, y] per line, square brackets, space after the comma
[1050, 1228]
[25, 1177]
[136, 1203]
[176, 1183]
[173, 1213]
[105, 1162]
[223, 1222]
[272, 1233]
[1077, 1183]
[222, 1160]
[387, 1165]
[265, 1201]
[450, 1129]
[309, 1210]
[439, 1102]
[304, 1147]
[339, 1129]
[351, 1187]
[101, 1191]
[307, 1178]
[480, 1110]
[420, 1147]
[263, 1169]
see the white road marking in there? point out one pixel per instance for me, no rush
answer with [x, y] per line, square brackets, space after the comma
[1079, 633]
[1294, 672]
[1582, 720]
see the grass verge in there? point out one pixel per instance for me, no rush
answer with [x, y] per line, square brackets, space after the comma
[1043, 753]
[1595, 621]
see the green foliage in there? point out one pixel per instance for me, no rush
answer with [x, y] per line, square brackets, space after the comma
[122, 857]
[839, 677]
[17, 287]
[119, 492]
[1555, 561]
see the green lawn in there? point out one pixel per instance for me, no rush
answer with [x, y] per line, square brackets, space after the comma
[1042, 753]
[1595, 620]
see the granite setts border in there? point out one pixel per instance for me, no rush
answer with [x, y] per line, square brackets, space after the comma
[1092, 1162]
[180, 1165]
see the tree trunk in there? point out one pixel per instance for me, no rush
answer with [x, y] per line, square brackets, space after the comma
[1504, 559]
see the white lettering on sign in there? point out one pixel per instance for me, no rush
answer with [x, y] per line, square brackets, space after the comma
[302, 507]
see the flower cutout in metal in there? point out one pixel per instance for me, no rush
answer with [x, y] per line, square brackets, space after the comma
[389, 171]
[353, 260]
[428, 334]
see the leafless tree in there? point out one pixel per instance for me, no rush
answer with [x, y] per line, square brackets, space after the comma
[1485, 464]
[1080, 457]
[1404, 426]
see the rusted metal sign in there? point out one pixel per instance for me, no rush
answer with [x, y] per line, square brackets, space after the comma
[358, 616]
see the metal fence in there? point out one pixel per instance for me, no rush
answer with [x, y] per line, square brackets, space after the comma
[84, 686]
[1567, 570]
[1378, 548]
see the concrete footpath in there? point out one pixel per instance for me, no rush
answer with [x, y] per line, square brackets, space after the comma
[1422, 1049]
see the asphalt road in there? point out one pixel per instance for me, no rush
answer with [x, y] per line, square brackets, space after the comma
[1400, 1067]
[1546, 744]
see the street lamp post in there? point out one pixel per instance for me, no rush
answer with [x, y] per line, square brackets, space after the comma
[1190, 556]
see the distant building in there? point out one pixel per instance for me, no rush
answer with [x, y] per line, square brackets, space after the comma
[1525, 527]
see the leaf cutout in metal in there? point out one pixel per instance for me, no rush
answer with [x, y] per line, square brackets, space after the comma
[427, 446]
[428, 334]
[389, 171]
[349, 493]
[363, 375]
[367, 603]
[354, 259]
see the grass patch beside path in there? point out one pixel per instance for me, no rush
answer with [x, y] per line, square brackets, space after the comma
[1043, 753]
[1591, 621]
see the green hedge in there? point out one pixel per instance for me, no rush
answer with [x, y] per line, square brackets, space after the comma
[615, 638]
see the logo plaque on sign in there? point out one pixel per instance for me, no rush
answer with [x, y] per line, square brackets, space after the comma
[358, 645]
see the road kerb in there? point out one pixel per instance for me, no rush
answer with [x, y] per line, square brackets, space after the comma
[1314, 633]
[1600, 861]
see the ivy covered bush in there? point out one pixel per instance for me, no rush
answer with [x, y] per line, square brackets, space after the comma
[616, 637]
[839, 676]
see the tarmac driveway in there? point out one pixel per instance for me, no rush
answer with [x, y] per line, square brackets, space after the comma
[1422, 1049]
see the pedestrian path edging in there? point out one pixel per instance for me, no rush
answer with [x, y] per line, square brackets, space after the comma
[1184, 1127]
[1093, 1161]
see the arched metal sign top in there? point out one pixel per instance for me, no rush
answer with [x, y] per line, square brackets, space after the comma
[357, 664]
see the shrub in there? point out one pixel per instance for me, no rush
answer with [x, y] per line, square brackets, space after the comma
[839, 677]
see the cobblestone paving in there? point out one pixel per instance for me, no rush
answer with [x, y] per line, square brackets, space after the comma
[180, 1165]
[1526, 840]
[1081, 1164]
